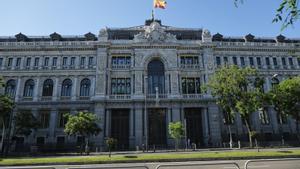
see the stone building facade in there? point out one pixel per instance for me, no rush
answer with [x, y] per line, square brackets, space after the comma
[139, 79]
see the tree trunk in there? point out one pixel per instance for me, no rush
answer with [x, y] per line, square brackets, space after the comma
[230, 136]
[3, 135]
[249, 134]
[176, 144]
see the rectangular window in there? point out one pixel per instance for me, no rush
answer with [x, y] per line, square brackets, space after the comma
[258, 60]
[82, 61]
[1, 61]
[234, 59]
[54, 61]
[267, 61]
[18, 63]
[65, 59]
[44, 119]
[91, 61]
[189, 60]
[46, 61]
[251, 61]
[28, 62]
[283, 61]
[218, 59]
[298, 61]
[36, 62]
[264, 117]
[291, 62]
[120, 86]
[242, 61]
[121, 61]
[191, 86]
[275, 61]
[72, 61]
[225, 60]
[62, 118]
[10, 61]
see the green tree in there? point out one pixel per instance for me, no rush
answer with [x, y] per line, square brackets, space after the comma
[84, 124]
[6, 107]
[235, 91]
[176, 131]
[25, 122]
[287, 13]
[286, 99]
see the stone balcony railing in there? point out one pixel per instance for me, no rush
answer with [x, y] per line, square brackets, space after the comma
[192, 96]
[123, 66]
[120, 97]
[190, 66]
[160, 96]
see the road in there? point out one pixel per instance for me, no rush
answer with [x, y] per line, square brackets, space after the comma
[288, 164]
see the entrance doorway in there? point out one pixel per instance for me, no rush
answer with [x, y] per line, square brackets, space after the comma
[157, 128]
[194, 130]
[120, 128]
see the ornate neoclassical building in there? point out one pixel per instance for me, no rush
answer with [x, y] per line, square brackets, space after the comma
[139, 79]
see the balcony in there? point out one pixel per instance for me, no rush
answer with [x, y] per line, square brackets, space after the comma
[192, 96]
[84, 97]
[160, 96]
[123, 66]
[65, 98]
[27, 98]
[120, 97]
[46, 98]
[190, 66]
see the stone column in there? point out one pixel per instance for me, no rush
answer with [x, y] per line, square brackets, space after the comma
[52, 125]
[139, 139]
[55, 89]
[93, 86]
[101, 73]
[174, 84]
[18, 90]
[74, 89]
[99, 139]
[36, 89]
[215, 128]
[132, 128]
[139, 84]
[205, 125]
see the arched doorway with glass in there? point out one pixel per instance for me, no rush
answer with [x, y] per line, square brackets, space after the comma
[157, 126]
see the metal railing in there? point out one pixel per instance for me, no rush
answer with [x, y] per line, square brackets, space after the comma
[202, 165]
[273, 161]
[120, 97]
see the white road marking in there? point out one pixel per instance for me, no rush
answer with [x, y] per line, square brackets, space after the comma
[260, 166]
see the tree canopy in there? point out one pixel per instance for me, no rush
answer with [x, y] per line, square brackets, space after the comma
[82, 123]
[237, 90]
[25, 123]
[286, 98]
[287, 13]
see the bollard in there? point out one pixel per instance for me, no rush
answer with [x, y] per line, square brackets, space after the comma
[239, 144]
[137, 148]
[154, 148]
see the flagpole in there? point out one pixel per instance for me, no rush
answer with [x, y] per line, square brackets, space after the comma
[153, 11]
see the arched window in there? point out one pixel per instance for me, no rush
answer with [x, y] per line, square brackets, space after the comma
[66, 87]
[156, 77]
[48, 87]
[28, 89]
[85, 86]
[10, 88]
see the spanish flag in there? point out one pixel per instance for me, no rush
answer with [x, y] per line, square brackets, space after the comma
[160, 4]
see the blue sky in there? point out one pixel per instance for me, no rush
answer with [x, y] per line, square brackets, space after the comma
[77, 17]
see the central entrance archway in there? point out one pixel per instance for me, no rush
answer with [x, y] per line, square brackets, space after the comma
[156, 77]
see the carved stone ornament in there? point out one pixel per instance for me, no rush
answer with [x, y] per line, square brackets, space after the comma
[154, 34]
[206, 33]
